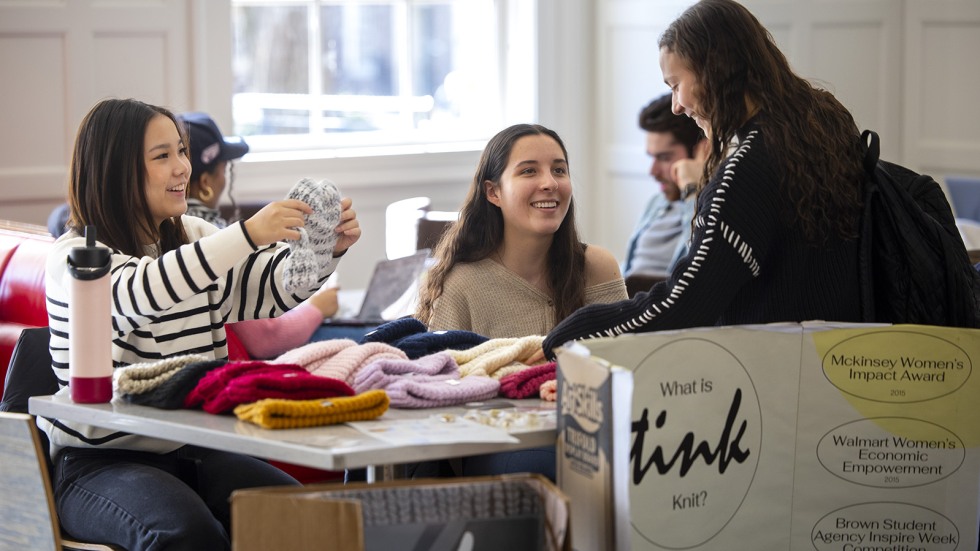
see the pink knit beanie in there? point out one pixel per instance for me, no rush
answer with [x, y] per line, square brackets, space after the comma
[344, 364]
[311, 355]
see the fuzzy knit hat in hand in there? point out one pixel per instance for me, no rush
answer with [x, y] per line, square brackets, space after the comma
[274, 413]
[172, 393]
[144, 377]
[527, 382]
[310, 256]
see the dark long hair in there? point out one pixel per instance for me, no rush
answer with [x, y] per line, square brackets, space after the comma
[106, 186]
[480, 231]
[811, 135]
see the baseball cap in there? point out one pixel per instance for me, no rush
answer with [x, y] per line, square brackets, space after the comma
[208, 146]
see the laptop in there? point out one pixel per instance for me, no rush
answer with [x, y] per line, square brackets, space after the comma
[391, 293]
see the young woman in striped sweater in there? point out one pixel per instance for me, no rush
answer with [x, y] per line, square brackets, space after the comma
[175, 281]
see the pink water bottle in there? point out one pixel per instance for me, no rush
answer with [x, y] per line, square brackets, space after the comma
[89, 323]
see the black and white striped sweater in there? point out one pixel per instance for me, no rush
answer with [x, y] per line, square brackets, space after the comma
[168, 305]
[746, 264]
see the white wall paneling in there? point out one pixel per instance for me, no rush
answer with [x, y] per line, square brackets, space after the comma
[906, 68]
[941, 84]
[58, 59]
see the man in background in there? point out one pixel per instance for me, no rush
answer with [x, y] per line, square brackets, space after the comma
[678, 149]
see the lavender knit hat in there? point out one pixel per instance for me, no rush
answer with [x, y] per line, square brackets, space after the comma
[440, 391]
[379, 374]
[430, 381]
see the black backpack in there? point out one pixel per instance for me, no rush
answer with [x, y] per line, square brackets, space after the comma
[914, 265]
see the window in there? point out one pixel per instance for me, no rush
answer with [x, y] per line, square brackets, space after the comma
[346, 73]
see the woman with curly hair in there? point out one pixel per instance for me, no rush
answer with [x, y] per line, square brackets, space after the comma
[775, 233]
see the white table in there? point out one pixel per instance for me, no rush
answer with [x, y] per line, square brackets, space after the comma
[332, 447]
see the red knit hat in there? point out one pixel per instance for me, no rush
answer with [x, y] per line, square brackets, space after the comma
[217, 379]
[527, 382]
[289, 383]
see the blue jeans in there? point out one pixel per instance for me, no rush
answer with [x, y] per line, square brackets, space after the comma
[148, 501]
[541, 460]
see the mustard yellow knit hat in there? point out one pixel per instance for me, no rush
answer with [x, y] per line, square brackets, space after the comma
[277, 413]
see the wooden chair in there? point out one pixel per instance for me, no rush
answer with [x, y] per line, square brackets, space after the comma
[28, 519]
[27, 509]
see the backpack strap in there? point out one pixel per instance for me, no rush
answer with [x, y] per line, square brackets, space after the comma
[869, 191]
[872, 150]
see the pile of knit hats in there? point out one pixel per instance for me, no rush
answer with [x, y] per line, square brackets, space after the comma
[220, 386]
[474, 354]
[400, 364]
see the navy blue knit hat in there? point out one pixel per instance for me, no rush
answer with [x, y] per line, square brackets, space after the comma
[394, 330]
[417, 345]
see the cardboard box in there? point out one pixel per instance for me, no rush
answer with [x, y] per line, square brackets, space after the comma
[809, 436]
[512, 512]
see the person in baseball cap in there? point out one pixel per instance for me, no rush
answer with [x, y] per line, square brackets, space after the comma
[211, 154]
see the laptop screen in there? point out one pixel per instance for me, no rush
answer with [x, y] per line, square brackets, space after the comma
[393, 283]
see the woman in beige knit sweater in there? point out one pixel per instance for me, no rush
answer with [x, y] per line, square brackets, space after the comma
[513, 265]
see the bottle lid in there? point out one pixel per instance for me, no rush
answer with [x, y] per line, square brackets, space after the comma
[91, 261]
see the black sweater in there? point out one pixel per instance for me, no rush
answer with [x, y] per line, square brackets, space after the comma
[748, 263]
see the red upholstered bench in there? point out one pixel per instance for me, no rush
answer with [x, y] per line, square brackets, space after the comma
[23, 253]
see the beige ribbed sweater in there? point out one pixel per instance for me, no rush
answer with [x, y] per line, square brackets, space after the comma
[488, 299]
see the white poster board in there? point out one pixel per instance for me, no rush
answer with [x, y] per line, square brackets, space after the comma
[813, 436]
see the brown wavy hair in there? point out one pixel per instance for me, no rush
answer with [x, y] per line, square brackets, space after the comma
[107, 179]
[480, 231]
[811, 135]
